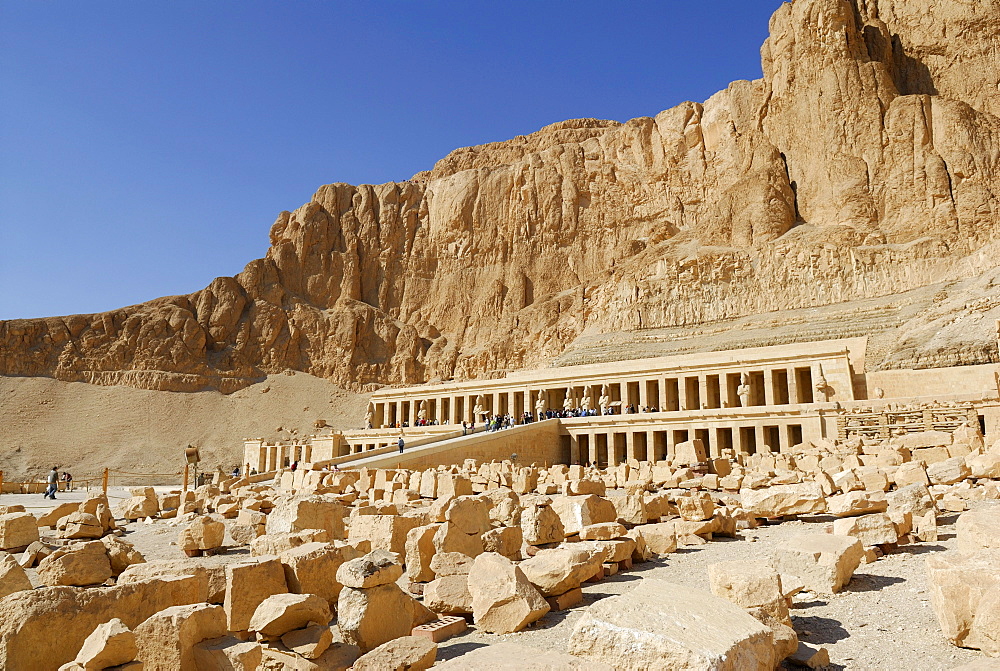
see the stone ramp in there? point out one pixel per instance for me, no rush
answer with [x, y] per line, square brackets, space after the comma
[532, 443]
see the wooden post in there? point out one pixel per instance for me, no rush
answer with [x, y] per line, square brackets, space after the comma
[186, 467]
[104, 482]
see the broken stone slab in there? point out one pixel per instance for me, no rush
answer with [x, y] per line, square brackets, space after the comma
[17, 531]
[509, 656]
[312, 568]
[503, 600]
[204, 533]
[558, 570]
[247, 585]
[540, 524]
[450, 563]
[419, 551]
[504, 540]
[874, 529]
[666, 625]
[210, 569]
[372, 616]
[110, 644]
[281, 613]
[781, 500]
[824, 562]
[227, 653]
[78, 564]
[978, 530]
[857, 503]
[378, 567]
[167, 639]
[310, 642]
[602, 532]
[577, 512]
[298, 513]
[449, 595]
[407, 653]
[958, 584]
[13, 577]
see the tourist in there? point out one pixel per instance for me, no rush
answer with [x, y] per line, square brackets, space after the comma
[294, 465]
[400, 443]
[68, 479]
[50, 491]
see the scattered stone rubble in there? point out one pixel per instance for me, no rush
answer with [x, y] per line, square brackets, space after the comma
[372, 568]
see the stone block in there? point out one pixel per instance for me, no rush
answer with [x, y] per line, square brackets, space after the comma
[247, 585]
[504, 540]
[857, 503]
[958, 585]
[559, 570]
[281, 613]
[166, 640]
[385, 532]
[948, 471]
[824, 562]
[407, 653]
[660, 538]
[13, 577]
[17, 531]
[227, 653]
[372, 616]
[663, 625]
[503, 600]
[577, 512]
[978, 530]
[419, 550]
[449, 595]
[309, 642]
[801, 499]
[540, 524]
[78, 564]
[308, 512]
[378, 567]
[311, 568]
[874, 529]
[110, 644]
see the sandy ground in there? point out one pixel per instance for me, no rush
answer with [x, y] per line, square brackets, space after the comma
[84, 428]
[883, 616]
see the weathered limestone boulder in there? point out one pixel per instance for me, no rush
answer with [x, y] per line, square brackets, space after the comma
[641, 552]
[824, 562]
[79, 525]
[275, 544]
[749, 585]
[110, 644]
[540, 524]
[602, 532]
[12, 576]
[576, 512]
[408, 653]
[248, 584]
[385, 532]
[874, 529]
[781, 500]
[28, 619]
[696, 507]
[139, 507]
[166, 640]
[121, 554]
[378, 567]
[311, 568]
[857, 503]
[984, 465]
[510, 656]
[449, 595]
[79, 564]
[17, 531]
[307, 512]
[660, 538]
[663, 625]
[452, 484]
[204, 533]
[53, 515]
[915, 499]
[631, 508]
[910, 473]
[925, 527]
[948, 471]
[504, 540]
[281, 613]
[558, 570]
[310, 642]
[978, 530]
[506, 506]
[372, 616]
[689, 453]
[469, 514]
[451, 563]
[450, 538]
[583, 486]
[503, 600]
[227, 653]
[211, 570]
[419, 550]
[963, 589]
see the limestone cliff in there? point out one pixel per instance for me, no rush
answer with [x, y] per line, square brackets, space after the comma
[865, 163]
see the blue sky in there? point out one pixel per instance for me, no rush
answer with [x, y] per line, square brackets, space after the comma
[147, 147]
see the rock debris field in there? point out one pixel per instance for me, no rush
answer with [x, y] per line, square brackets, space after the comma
[841, 555]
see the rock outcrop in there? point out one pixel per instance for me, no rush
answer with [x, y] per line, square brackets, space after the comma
[863, 164]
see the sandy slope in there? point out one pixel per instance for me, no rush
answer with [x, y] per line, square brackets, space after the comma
[84, 428]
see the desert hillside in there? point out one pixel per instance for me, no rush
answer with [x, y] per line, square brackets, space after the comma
[84, 428]
[863, 165]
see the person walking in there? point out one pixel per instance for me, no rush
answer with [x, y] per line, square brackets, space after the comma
[400, 443]
[50, 492]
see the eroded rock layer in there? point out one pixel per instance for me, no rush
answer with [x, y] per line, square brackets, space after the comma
[865, 163]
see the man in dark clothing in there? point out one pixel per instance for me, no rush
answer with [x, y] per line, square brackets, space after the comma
[400, 443]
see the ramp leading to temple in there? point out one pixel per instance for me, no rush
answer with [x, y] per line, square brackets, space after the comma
[539, 443]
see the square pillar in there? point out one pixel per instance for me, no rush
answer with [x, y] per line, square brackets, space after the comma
[630, 446]
[643, 395]
[592, 444]
[661, 385]
[724, 390]
[768, 386]
[702, 391]
[759, 436]
[682, 393]
[793, 385]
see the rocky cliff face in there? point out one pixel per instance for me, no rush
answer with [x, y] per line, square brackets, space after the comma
[865, 163]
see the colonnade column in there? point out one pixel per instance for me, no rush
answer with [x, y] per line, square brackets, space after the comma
[702, 391]
[643, 394]
[768, 386]
[793, 385]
